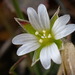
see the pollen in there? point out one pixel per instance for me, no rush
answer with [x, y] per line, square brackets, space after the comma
[44, 31]
[49, 36]
[42, 37]
[36, 33]
[40, 40]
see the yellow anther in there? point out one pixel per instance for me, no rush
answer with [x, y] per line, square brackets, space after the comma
[40, 40]
[36, 33]
[49, 36]
[44, 34]
[42, 37]
[44, 31]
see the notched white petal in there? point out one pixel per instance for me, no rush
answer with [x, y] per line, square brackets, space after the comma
[33, 18]
[43, 17]
[55, 54]
[27, 48]
[63, 20]
[66, 31]
[45, 58]
[23, 38]
[61, 28]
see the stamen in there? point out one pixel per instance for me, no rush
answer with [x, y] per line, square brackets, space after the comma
[44, 34]
[40, 40]
[44, 31]
[49, 36]
[42, 37]
[36, 33]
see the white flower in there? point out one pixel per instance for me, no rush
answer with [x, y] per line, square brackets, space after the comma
[45, 36]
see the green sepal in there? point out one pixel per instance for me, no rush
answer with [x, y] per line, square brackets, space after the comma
[29, 28]
[58, 43]
[54, 18]
[36, 55]
[25, 25]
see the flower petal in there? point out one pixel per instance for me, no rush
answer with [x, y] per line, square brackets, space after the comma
[43, 17]
[55, 54]
[66, 31]
[24, 38]
[60, 22]
[45, 57]
[59, 29]
[33, 18]
[27, 48]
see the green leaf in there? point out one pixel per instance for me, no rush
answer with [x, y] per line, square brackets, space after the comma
[25, 25]
[54, 18]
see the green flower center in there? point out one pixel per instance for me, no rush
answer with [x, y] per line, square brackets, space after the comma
[44, 37]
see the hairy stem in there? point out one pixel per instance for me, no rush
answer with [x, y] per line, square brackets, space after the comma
[11, 71]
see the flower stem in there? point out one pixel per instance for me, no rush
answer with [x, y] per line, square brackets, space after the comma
[37, 69]
[11, 71]
[17, 9]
